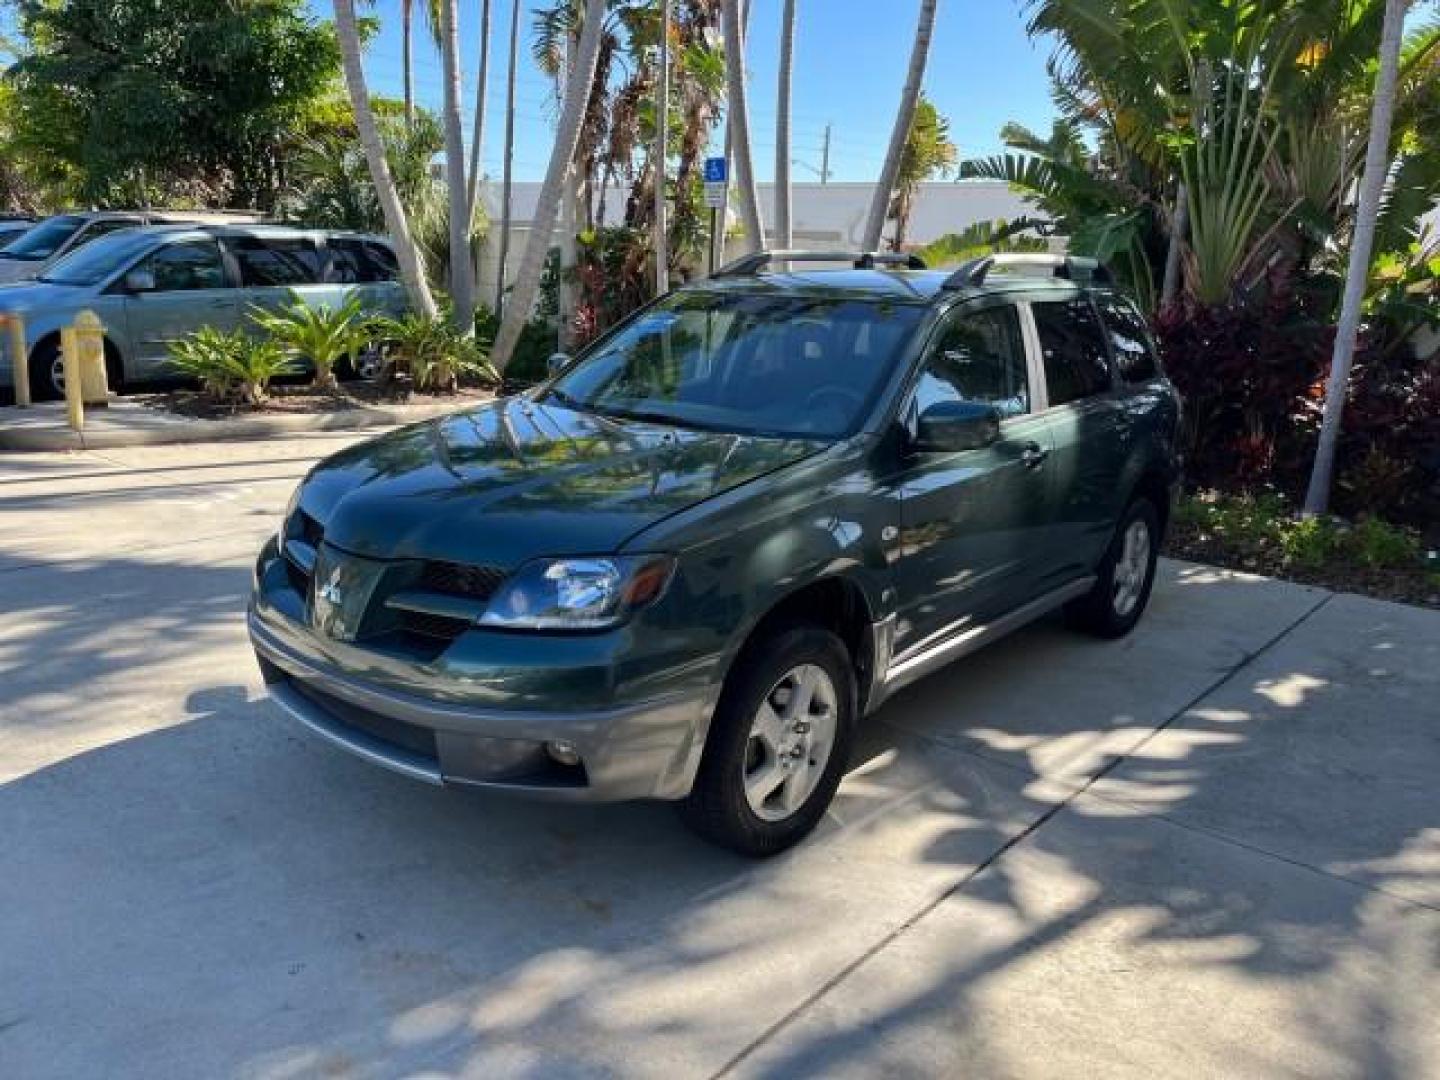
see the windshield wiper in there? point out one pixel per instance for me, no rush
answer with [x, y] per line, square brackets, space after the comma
[568, 401]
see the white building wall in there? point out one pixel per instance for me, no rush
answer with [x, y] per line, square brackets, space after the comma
[826, 216]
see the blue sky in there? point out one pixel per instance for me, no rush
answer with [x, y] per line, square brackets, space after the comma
[850, 58]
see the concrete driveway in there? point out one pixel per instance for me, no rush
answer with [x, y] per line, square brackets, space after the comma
[1211, 849]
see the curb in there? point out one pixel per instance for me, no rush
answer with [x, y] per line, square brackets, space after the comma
[103, 432]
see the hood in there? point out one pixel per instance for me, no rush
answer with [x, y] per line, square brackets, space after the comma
[35, 295]
[517, 479]
[19, 269]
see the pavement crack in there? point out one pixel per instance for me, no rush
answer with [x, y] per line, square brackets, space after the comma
[891, 936]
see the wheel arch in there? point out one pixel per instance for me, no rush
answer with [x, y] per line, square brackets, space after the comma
[114, 358]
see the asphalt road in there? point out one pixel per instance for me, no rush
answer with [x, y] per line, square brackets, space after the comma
[1210, 849]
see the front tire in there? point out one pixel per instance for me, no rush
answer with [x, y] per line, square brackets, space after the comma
[47, 372]
[778, 744]
[1125, 576]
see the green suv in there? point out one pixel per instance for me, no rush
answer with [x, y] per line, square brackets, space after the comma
[689, 563]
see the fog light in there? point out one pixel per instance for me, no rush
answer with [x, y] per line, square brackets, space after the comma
[563, 752]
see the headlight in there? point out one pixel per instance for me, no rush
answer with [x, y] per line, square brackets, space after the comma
[578, 593]
[290, 508]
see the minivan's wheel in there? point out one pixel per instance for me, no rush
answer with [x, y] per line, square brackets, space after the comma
[366, 364]
[1125, 577]
[778, 744]
[47, 372]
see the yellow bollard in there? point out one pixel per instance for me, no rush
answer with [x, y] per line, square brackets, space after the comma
[70, 361]
[90, 338]
[19, 362]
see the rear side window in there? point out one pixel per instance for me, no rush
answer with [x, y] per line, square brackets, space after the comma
[1129, 339]
[355, 262]
[386, 266]
[980, 357]
[1076, 362]
[276, 262]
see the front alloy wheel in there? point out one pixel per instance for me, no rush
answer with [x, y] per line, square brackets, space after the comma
[790, 741]
[778, 742]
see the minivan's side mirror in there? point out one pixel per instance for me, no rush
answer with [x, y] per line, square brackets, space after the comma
[557, 363]
[948, 427]
[138, 281]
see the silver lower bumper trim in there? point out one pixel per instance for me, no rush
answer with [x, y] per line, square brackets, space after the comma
[357, 742]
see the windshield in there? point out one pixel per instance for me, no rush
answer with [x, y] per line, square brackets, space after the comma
[94, 262]
[44, 239]
[765, 364]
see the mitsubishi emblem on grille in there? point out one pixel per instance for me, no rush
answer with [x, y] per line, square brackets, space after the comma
[344, 587]
[331, 592]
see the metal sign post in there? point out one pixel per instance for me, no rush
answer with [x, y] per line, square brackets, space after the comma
[717, 190]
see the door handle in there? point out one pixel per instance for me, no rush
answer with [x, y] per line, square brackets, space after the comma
[1034, 455]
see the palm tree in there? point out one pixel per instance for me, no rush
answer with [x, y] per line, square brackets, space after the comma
[547, 204]
[904, 117]
[462, 265]
[407, 56]
[661, 151]
[784, 234]
[502, 264]
[477, 134]
[412, 268]
[928, 153]
[739, 123]
[1377, 164]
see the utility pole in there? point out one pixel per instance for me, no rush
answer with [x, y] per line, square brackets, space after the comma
[662, 124]
[825, 158]
[505, 205]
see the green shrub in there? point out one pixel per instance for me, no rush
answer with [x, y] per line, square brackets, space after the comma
[1311, 542]
[322, 335]
[436, 355]
[1381, 546]
[528, 363]
[232, 367]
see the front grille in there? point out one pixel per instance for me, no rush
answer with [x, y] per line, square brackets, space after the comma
[457, 579]
[308, 529]
[299, 580]
[437, 627]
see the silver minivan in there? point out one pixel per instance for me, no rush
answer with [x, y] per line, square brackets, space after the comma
[152, 286]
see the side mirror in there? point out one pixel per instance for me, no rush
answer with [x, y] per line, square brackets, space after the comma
[138, 281]
[557, 363]
[948, 427]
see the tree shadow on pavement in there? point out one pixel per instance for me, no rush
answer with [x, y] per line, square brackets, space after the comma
[208, 891]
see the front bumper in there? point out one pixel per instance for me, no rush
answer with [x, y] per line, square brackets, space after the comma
[633, 751]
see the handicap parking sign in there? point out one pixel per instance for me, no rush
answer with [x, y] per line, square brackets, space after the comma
[715, 170]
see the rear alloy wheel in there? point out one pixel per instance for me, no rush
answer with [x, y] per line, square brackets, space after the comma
[778, 743]
[1124, 578]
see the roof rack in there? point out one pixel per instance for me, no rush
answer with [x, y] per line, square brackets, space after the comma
[1069, 267]
[752, 264]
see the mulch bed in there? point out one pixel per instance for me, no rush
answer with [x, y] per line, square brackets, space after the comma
[1405, 586]
[290, 400]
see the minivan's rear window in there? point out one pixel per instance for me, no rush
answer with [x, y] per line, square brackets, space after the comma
[271, 261]
[355, 262]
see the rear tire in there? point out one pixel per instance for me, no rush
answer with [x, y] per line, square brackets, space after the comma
[778, 744]
[1124, 578]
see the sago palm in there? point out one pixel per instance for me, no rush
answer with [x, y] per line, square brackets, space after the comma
[322, 335]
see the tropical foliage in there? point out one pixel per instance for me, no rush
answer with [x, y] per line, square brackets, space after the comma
[928, 153]
[433, 352]
[165, 101]
[322, 336]
[233, 367]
